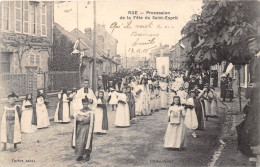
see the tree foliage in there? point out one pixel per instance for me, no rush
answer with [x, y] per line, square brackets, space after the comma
[62, 59]
[221, 31]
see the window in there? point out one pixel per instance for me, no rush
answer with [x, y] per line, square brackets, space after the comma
[32, 60]
[44, 20]
[6, 15]
[37, 60]
[18, 16]
[4, 62]
[33, 19]
[26, 17]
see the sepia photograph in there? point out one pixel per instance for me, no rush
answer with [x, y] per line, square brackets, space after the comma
[125, 83]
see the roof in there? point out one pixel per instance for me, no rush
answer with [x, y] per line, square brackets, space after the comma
[73, 37]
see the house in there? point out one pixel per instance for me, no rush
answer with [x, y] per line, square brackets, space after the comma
[25, 36]
[103, 62]
[107, 44]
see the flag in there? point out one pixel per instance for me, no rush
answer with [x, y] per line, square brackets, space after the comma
[76, 48]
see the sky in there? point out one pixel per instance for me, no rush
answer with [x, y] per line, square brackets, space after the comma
[142, 34]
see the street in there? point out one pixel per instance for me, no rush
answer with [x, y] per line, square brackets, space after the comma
[139, 145]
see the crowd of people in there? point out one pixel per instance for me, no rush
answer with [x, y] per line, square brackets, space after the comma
[190, 101]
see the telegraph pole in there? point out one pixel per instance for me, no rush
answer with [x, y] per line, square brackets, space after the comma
[94, 82]
[79, 44]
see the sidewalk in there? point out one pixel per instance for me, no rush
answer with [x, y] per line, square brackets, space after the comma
[230, 155]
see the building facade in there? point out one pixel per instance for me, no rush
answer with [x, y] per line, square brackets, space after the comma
[26, 36]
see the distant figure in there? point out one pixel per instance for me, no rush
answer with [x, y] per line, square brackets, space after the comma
[62, 113]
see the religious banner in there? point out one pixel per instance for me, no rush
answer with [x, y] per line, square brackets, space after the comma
[162, 66]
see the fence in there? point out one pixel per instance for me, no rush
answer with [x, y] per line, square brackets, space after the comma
[23, 84]
[57, 80]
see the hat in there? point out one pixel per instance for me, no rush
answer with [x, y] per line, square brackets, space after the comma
[12, 95]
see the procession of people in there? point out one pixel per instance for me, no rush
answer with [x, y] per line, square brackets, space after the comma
[138, 93]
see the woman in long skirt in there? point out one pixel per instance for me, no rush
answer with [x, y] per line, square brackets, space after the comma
[164, 94]
[157, 91]
[27, 115]
[138, 101]
[122, 112]
[152, 97]
[191, 120]
[131, 102]
[175, 132]
[73, 102]
[42, 113]
[62, 110]
[101, 120]
[210, 103]
[145, 106]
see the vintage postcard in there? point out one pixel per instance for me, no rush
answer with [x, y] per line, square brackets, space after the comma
[129, 83]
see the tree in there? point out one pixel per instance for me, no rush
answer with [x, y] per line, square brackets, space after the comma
[220, 33]
[62, 59]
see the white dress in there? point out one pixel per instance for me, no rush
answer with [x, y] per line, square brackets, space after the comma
[26, 119]
[146, 103]
[175, 132]
[210, 104]
[65, 112]
[183, 96]
[122, 112]
[157, 98]
[164, 94]
[138, 100]
[191, 120]
[42, 114]
[113, 99]
[99, 119]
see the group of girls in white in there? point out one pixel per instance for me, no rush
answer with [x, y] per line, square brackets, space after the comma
[187, 108]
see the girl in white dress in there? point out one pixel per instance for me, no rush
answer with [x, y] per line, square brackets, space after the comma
[122, 112]
[112, 100]
[191, 120]
[27, 115]
[152, 97]
[42, 113]
[175, 132]
[101, 121]
[164, 93]
[62, 110]
[157, 90]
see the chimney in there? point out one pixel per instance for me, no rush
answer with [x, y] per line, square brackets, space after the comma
[88, 33]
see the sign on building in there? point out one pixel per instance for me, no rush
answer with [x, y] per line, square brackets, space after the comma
[162, 66]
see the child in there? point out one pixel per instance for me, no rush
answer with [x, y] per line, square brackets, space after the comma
[27, 115]
[10, 126]
[83, 131]
[152, 97]
[101, 121]
[191, 120]
[112, 100]
[131, 102]
[62, 111]
[122, 112]
[175, 133]
[42, 113]
[157, 90]
[72, 102]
